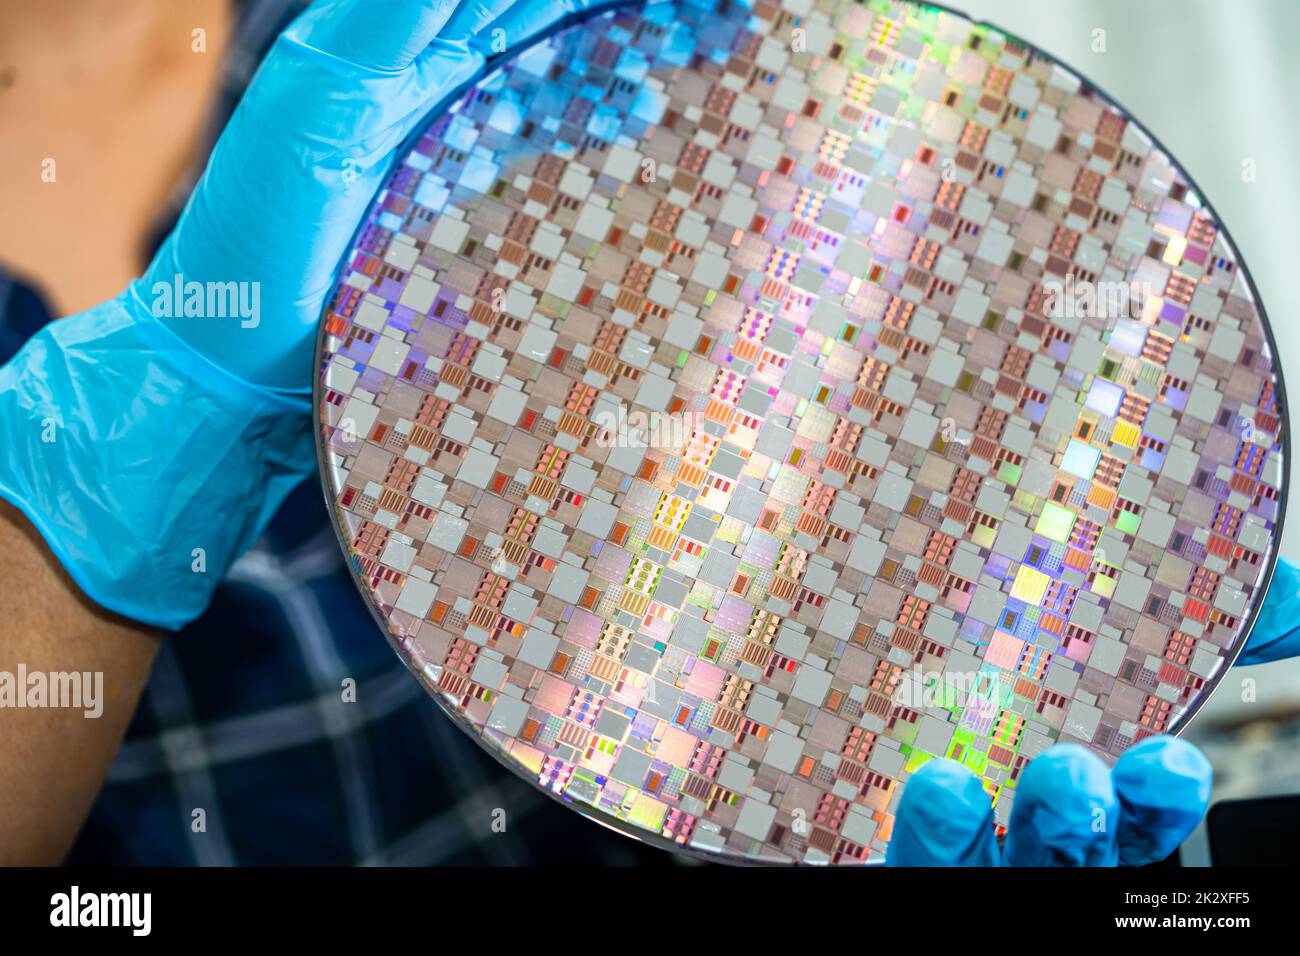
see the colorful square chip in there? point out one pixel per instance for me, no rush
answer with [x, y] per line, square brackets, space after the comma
[1104, 397]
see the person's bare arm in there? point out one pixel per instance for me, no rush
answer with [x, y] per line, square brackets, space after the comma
[53, 760]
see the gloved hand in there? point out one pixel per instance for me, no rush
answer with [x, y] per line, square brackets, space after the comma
[151, 438]
[1070, 808]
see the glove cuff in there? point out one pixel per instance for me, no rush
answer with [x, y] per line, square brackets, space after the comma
[146, 468]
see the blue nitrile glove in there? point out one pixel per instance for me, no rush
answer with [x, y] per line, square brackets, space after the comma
[148, 444]
[1070, 808]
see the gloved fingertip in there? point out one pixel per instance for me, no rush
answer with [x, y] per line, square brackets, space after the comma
[1066, 812]
[1164, 786]
[373, 34]
[1275, 635]
[471, 16]
[945, 818]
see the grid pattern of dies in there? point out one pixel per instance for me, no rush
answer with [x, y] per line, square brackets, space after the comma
[730, 410]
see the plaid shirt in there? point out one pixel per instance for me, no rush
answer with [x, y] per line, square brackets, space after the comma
[243, 749]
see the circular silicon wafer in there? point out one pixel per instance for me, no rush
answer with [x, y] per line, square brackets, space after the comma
[727, 410]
